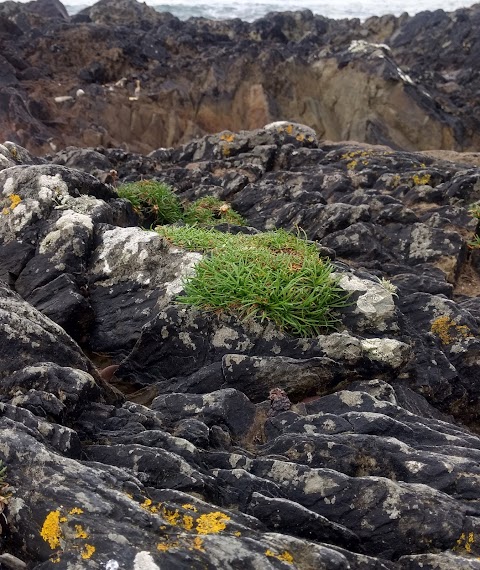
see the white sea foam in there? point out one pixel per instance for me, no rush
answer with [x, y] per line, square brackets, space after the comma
[250, 10]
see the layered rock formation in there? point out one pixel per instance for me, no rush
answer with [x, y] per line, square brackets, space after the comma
[184, 459]
[409, 82]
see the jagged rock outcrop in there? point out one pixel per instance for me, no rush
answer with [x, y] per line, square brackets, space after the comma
[182, 456]
[72, 81]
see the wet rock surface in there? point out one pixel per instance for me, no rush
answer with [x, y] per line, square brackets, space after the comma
[121, 74]
[210, 442]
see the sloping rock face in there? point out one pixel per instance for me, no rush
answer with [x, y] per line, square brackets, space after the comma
[407, 82]
[215, 442]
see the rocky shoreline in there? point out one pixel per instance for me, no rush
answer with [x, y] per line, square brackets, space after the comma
[120, 74]
[181, 457]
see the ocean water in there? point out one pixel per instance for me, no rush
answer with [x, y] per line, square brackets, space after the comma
[250, 10]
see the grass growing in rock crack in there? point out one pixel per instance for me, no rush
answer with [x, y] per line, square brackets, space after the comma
[3, 498]
[475, 212]
[154, 201]
[209, 211]
[273, 275]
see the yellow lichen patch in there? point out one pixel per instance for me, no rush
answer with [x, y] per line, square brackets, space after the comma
[284, 556]
[149, 506]
[420, 180]
[225, 151]
[237, 533]
[15, 201]
[75, 511]
[356, 154]
[187, 522]
[212, 523]
[172, 517]
[166, 546]
[198, 544]
[300, 138]
[465, 542]
[51, 531]
[230, 137]
[88, 551]
[55, 559]
[80, 532]
[351, 165]
[190, 507]
[63, 519]
[449, 331]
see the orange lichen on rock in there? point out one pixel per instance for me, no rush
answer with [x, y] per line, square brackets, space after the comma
[88, 551]
[80, 532]
[75, 511]
[285, 556]
[166, 546]
[212, 523]
[51, 531]
[421, 180]
[449, 331]
[149, 506]
[15, 200]
[465, 542]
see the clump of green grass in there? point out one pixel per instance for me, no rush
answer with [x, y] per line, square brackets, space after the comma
[154, 201]
[475, 212]
[273, 275]
[209, 211]
[194, 238]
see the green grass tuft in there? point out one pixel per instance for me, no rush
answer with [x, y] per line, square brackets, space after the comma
[154, 201]
[194, 238]
[210, 211]
[274, 275]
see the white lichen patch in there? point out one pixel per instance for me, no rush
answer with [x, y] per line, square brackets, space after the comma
[185, 268]
[393, 501]
[421, 246]
[329, 425]
[284, 473]
[414, 466]
[121, 248]
[233, 359]
[73, 232]
[310, 429]
[4, 160]
[8, 187]
[187, 340]
[351, 399]
[223, 337]
[237, 461]
[54, 183]
[386, 350]
[317, 481]
[341, 346]
[144, 561]
[375, 303]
